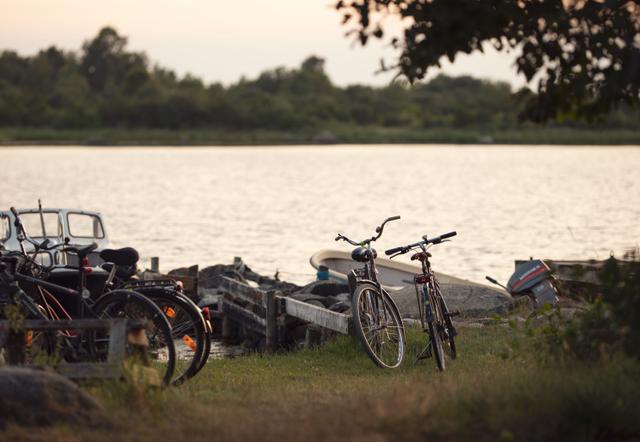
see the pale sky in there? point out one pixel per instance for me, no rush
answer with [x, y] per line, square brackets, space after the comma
[221, 40]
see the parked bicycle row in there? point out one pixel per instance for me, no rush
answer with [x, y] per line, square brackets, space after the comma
[177, 333]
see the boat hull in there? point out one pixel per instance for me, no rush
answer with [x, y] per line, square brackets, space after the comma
[393, 275]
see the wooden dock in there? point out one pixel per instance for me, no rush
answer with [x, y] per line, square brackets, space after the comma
[268, 312]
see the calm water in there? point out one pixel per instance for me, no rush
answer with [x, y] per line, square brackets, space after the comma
[277, 206]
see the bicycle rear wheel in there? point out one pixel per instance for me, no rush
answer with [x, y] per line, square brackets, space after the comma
[378, 325]
[159, 354]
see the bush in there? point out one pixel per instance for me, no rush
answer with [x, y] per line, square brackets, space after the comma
[608, 325]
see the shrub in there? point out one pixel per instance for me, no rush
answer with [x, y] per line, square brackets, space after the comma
[608, 325]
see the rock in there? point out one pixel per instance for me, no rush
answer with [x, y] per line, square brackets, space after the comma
[469, 298]
[211, 277]
[38, 398]
[325, 288]
[344, 297]
[340, 307]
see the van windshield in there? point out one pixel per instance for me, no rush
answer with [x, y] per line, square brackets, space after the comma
[82, 225]
[34, 226]
[4, 227]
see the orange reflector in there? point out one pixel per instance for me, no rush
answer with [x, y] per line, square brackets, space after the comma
[171, 313]
[190, 342]
[29, 338]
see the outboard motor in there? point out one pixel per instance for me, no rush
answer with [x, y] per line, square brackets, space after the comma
[532, 278]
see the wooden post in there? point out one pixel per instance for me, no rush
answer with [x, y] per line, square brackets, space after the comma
[271, 316]
[155, 264]
[15, 346]
[226, 328]
[307, 338]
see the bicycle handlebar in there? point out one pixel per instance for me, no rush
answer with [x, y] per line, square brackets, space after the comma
[344, 238]
[379, 231]
[425, 241]
[18, 221]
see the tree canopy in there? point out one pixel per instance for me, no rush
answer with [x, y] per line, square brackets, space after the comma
[106, 85]
[584, 54]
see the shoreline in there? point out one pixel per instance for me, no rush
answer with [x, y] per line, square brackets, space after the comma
[114, 137]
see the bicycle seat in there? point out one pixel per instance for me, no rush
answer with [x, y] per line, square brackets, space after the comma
[126, 256]
[361, 254]
[420, 256]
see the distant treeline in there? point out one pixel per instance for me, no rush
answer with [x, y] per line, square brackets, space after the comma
[105, 85]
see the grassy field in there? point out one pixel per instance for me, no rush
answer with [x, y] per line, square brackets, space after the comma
[331, 135]
[336, 393]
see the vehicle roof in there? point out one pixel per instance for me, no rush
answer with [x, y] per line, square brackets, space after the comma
[55, 210]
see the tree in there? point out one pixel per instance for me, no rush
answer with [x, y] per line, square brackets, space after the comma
[105, 60]
[586, 53]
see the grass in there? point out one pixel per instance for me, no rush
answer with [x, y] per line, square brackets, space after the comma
[333, 134]
[336, 393]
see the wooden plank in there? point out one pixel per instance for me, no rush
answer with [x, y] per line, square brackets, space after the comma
[64, 324]
[44, 324]
[249, 319]
[271, 317]
[242, 291]
[81, 370]
[189, 283]
[317, 315]
[117, 337]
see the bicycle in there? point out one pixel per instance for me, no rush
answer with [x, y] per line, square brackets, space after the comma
[20, 273]
[191, 330]
[376, 318]
[435, 317]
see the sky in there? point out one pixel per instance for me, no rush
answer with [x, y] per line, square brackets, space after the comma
[221, 41]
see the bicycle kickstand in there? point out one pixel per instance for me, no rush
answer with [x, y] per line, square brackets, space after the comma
[424, 354]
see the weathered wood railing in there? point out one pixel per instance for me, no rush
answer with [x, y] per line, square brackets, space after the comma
[265, 312]
[119, 330]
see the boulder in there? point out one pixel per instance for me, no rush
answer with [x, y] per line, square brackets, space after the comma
[469, 298]
[38, 398]
[324, 288]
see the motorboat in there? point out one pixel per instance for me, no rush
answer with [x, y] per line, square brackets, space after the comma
[393, 275]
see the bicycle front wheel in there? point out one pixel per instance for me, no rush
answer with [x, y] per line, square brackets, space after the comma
[448, 331]
[435, 326]
[156, 350]
[378, 325]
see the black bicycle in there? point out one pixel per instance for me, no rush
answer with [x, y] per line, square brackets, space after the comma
[434, 314]
[376, 318]
[23, 285]
[191, 330]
